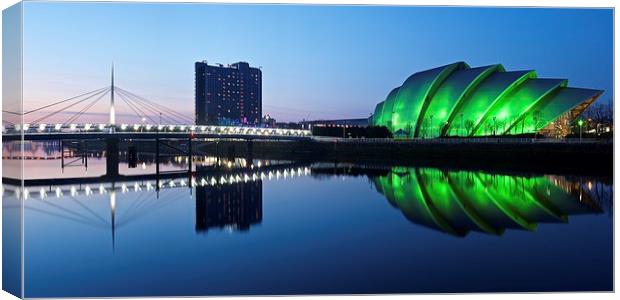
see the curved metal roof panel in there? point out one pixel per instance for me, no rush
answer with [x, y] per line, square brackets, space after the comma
[413, 94]
[509, 108]
[558, 104]
[450, 93]
[478, 101]
[385, 115]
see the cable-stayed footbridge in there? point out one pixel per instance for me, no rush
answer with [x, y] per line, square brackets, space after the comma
[154, 120]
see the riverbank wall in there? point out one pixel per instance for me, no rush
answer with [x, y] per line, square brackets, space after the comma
[535, 154]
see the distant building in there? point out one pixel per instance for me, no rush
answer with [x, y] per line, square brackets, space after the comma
[288, 125]
[362, 122]
[228, 95]
[268, 121]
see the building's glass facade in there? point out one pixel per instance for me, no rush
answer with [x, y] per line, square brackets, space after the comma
[457, 100]
[228, 95]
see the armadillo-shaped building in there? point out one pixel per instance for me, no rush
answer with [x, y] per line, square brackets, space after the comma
[457, 100]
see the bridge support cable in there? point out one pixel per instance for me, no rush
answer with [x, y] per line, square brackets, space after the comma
[173, 119]
[68, 106]
[134, 108]
[65, 100]
[152, 110]
[160, 107]
[86, 108]
[148, 108]
[52, 104]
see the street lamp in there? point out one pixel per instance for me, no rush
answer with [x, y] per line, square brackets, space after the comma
[580, 123]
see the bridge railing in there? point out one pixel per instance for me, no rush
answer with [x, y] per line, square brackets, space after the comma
[146, 128]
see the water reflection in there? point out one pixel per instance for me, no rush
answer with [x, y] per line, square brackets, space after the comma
[451, 201]
[234, 206]
[190, 228]
[457, 202]
[225, 198]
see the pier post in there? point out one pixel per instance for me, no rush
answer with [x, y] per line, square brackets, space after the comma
[189, 153]
[62, 156]
[86, 155]
[111, 157]
[250, 151]
[157, 156]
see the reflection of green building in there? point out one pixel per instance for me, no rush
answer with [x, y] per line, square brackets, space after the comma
[457, 202]
[456, 100]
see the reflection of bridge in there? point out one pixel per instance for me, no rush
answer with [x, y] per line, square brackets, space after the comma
[457, 202]
[225, 197]
[86, 186]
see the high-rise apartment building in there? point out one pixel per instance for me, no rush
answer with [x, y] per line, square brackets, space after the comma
[228, 95]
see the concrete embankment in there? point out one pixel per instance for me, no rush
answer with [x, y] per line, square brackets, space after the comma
[528, 154]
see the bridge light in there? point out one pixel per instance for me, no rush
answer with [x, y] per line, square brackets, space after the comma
[192, 128]
[182, 127]
[72, 127]
[203, 128]
[101, 126]
[160, 127]
[26, 126]
[87, 126]
[123, 126]
[58, 126]
[171, 127]
[148, 127]
[136, 127]
[42, 127]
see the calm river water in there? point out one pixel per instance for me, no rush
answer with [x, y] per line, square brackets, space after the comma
[263, 227]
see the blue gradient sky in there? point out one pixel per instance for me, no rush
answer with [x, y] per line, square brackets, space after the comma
[318, 61]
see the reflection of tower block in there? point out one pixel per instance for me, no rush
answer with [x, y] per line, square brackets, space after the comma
[132, 157]
[233, 206]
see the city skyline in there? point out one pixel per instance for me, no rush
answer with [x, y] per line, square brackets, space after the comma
[328, 62]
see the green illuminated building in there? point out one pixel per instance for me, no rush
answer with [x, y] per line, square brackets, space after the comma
[457, 202]
[457, 100]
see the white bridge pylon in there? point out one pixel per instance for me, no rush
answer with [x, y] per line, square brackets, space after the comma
[112, 112]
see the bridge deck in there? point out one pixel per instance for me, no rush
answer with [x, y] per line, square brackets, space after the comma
[145, 135]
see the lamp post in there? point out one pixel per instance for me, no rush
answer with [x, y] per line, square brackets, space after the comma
[580, 123]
